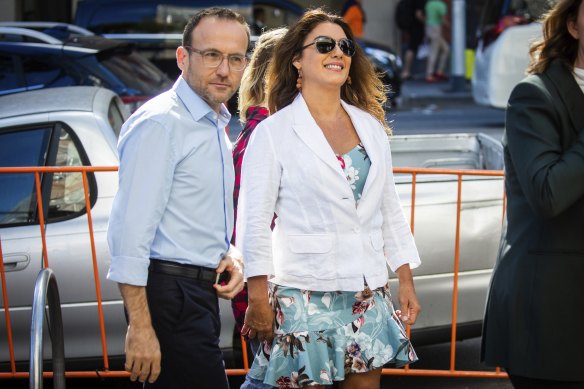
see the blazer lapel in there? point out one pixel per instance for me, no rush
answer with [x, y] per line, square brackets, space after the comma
[570, 92]
[365, 132]
[309, 132]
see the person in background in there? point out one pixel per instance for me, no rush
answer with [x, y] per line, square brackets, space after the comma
[259, 21]
[253, 108]
[415, 36]
[172, 217]
[318, 284]
[354, 16]
[535, 307]
[436, 18]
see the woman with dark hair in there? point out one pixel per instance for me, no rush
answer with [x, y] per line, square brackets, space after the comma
[535, 309]
[318, 285]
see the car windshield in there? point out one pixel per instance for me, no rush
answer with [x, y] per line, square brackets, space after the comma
[134, 71]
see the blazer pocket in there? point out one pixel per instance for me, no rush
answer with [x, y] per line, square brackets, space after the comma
[310, 243]
[377, 240]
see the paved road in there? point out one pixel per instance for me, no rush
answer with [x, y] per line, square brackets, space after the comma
[442, 117]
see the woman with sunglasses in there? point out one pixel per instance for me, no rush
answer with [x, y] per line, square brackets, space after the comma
[318, 285]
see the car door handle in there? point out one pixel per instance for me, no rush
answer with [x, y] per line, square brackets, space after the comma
[16, 261]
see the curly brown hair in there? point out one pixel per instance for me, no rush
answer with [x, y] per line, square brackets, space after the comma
[365, 91]
[557, 41]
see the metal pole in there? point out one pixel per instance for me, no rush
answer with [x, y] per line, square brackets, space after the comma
[458, 45]
[46, 289]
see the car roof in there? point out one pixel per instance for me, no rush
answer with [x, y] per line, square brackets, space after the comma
[70, 98]
[68, 40]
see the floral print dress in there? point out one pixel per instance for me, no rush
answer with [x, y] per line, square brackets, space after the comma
[322, 336]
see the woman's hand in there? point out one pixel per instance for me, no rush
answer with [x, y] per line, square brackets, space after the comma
[259, 316]
[258, 322]
[409, 305]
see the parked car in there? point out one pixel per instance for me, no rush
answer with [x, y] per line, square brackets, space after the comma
[156, 27]
[57, 55]
[77, 126]
[505, 33]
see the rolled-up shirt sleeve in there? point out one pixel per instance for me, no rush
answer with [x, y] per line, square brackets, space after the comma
[147, 162]
[400, 248]
[260, 181]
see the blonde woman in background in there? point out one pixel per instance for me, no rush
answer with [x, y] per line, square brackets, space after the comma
[252, 110]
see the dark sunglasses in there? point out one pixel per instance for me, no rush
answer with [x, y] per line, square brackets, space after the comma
[326, 44]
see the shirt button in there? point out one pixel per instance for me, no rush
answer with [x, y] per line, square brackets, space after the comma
[356, 230]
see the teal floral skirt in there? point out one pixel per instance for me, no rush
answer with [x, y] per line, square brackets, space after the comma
[322, 336]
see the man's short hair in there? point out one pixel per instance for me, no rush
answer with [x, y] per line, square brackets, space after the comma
[220, 13]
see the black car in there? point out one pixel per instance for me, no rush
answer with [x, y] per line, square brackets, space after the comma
[155, 26]
[62, 56]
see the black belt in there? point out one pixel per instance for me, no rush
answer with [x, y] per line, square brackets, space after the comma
[182, 270]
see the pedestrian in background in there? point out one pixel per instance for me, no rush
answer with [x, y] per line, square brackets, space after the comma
[259, 21]
[411, 19]
[535, 308]
[354, 15]
[436, 12]
[172, 217]
[253, 108]
[318, 285]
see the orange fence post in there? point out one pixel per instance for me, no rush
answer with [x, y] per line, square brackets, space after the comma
[95, 272]
[455, 280]
[413, 206]
[244, 354]
[7, 312]
[37, 181]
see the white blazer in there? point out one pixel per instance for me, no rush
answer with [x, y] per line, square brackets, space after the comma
[321, 241]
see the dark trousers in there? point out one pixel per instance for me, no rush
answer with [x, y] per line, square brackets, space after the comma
[185, 316]
[520, 382]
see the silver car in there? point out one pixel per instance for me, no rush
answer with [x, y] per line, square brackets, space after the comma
[75, 126]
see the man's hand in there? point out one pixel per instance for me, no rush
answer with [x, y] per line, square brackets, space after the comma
[259, 315]
[142, 354]
[409, 305]
[233, 264]
[142, 347]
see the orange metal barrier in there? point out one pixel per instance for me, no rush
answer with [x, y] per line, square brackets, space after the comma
[106, 373]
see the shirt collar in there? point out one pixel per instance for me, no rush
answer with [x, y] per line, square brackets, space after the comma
[199, 107]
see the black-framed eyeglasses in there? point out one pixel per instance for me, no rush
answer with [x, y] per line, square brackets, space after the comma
[326, 44]
[213, 58]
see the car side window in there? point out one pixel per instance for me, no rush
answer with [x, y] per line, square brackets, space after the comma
[62, 192]
[115, 117]
[18, 194]
[67, 193]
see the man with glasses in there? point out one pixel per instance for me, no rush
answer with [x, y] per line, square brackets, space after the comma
[172, 217]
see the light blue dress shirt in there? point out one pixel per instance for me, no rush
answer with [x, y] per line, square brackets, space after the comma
[175, 196]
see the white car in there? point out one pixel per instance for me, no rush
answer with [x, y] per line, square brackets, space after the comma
[502, 64]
